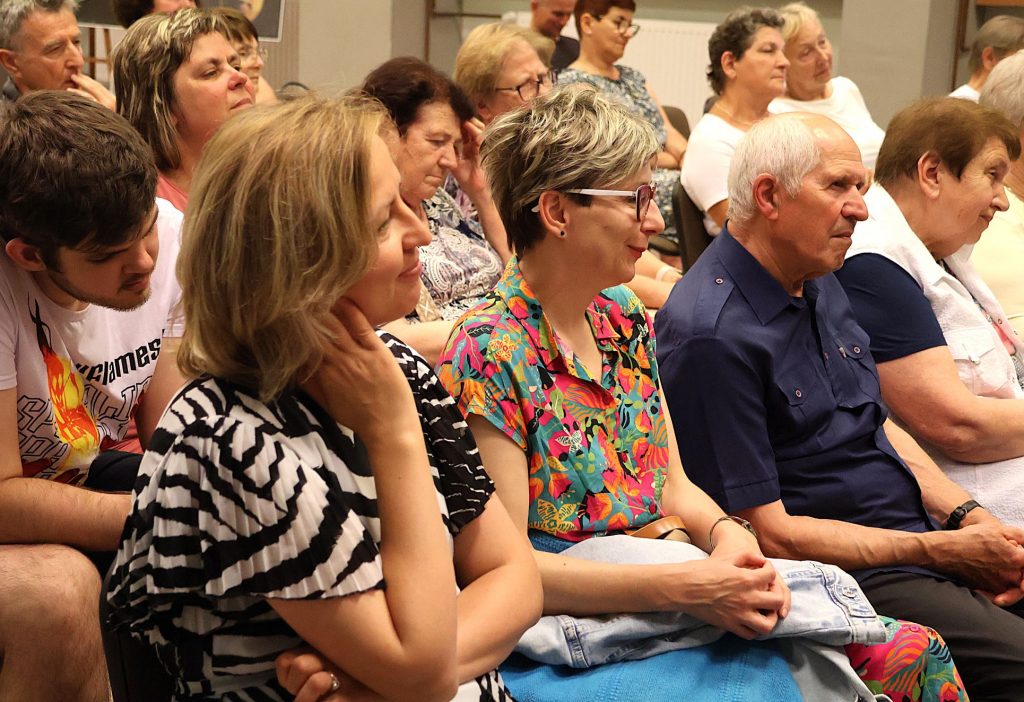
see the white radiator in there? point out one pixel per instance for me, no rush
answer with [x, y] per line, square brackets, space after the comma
[672, 55]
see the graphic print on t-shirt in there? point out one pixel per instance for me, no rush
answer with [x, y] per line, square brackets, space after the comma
[72, 422]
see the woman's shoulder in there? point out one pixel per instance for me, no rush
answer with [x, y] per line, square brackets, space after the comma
[628, 74]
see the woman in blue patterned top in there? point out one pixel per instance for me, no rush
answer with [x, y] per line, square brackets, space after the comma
[605, 27]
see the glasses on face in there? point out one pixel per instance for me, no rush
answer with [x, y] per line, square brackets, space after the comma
[530, 88]
[622, 26]
[642, 195]
[247, 52]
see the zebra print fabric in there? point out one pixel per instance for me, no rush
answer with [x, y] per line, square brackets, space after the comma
[238, 501]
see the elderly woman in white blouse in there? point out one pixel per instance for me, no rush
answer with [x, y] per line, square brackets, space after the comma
[810, 86]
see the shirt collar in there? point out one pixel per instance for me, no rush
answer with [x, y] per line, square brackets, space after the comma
[765, 295]
[523, 305]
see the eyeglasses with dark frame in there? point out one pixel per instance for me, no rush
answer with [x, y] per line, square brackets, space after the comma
[622, 26]
[643, 196]
[530, 88]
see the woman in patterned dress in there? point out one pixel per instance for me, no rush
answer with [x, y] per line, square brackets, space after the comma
[605, 27]
[437, 137]
[557, 374]
[314, 482]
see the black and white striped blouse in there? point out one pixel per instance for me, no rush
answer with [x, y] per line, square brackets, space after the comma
[238, 501]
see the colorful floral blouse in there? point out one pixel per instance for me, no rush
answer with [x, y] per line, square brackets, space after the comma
[596, 448]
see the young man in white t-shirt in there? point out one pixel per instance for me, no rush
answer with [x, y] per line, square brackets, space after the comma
[87, 301]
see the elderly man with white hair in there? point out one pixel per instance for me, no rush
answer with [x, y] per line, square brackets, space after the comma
[779, 416]
[41, 49]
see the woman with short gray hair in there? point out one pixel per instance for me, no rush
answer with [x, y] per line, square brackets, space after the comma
[556, 373]
[998, 255]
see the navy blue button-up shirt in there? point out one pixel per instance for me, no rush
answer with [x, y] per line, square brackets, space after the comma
[777, 397]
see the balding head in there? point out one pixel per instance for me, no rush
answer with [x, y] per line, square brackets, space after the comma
[795, 194]
[785, 146]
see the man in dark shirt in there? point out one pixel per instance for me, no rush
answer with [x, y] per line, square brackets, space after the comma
[549, 18]
[779, 417]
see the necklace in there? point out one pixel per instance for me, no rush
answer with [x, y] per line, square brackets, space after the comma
[743, 123]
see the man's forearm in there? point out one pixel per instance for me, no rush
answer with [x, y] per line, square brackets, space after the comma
[939, 494]
[33, 510]
[849, 546]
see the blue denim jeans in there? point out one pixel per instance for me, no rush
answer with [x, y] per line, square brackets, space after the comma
[828, 608]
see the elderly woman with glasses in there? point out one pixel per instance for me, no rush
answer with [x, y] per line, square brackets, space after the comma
[503, 66]
[605, 27]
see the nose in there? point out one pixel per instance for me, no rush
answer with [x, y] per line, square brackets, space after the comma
[415, 231]
[1000, 202]
[783, 61]
[855, 208]
[544, 88]
[449, 158]
[144, 256]
[75, 58]
[653, 223]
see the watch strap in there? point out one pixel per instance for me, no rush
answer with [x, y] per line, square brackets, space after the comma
[956, 517]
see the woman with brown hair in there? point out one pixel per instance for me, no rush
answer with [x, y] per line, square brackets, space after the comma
[178, 79]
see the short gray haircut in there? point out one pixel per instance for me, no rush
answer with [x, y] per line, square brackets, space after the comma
[782, 146]
[1004, 89]
[14, 12]
[573, 137]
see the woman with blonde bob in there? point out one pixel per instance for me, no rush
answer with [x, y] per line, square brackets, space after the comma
[311, 460]
[178, 78]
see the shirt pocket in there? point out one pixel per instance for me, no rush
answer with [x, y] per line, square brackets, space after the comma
[858, 384]
[981, 362]
[807, 404]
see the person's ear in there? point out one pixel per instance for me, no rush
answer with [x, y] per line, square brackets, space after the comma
[26, 256]
[554, 217]
[767, 193]
[485, 111]
[9, 61]
[728, 63]
[989, 58]
[930, 174]
[586, 20]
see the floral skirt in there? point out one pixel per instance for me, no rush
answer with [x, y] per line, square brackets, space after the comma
[913, 664]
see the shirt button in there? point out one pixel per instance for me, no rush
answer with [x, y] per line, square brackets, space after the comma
[856, 349]
[798, 393]
[719, 281]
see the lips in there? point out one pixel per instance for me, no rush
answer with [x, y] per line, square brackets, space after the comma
[412, 271]
[244, 102]
[137, 284]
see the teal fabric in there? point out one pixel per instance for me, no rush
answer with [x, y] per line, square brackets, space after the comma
[729, 670]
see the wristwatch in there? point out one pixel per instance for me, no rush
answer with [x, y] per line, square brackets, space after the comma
[958, 514]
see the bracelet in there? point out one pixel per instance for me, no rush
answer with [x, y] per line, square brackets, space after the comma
[958, 514]
[665, 270]
[729, 518]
